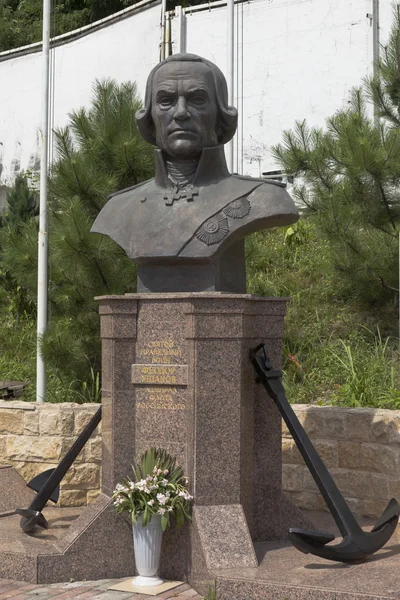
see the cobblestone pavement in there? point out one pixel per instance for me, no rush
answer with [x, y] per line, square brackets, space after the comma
[95, 590]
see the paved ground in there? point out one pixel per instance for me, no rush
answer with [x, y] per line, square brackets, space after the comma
[95, 590]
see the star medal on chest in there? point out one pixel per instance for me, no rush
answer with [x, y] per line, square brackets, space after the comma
[178, 192]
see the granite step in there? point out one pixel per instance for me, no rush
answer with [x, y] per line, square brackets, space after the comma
[284, 573]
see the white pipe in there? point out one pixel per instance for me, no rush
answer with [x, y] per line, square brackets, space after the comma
[181, 29]
[375, 42]
[230, 72]
[43, 238]
[162, 27]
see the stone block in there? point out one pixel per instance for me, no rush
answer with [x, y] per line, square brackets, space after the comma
[379, 458]
[83, 476]
[358, 422]
[305, 500]
[372, 508]
[383, 426]
[67, 422]
[290, 453]
[66, 443]
[394, 431]
[349, 454]
[82, 417]
[3, 450]
[29, 470]
[292, 478]
[11, 421]
[72, 498]
[49, 422]
[394, 489]
[92, 495]
[335, 424]
[360, 484]
[314, 422]
[328, 451]
[31, 423]
[355, 504]
[309, 484]
[31, 448]
[93, 450]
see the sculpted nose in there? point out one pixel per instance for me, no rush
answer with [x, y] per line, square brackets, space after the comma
[181, 111]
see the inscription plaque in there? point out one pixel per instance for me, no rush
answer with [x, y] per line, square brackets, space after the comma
[151, 374]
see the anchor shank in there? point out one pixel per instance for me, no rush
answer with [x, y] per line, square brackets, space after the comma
[43, 496]
[337, 505]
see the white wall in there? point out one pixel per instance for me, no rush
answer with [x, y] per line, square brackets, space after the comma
[299, 58]
[124, 50]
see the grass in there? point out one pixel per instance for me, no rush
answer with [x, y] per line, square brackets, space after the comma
[337, 350]
[211, 592]
[18, 360]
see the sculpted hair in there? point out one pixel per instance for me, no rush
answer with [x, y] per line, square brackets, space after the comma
[228, 115]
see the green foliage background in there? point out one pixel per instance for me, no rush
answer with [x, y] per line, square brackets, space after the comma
[99, 153]
[21, 20]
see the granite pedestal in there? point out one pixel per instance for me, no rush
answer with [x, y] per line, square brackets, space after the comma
[177, 375]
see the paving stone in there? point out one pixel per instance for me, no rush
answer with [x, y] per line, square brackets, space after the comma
[80, 590]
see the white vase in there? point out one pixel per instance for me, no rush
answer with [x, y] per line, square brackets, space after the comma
[147, 547]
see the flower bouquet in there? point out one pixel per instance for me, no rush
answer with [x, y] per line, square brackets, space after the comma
[156, 492]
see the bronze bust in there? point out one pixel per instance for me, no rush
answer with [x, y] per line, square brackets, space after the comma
[185, 228]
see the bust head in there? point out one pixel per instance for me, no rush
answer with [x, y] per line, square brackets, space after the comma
[186, 107]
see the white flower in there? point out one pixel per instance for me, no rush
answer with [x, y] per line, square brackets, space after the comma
[150, 502]
[170, 509]
[166, 472]
[120, 488]
[162, 498]
[164, 482]
[142, 486]
[159, 471]
[131, 485]
[185, 495]
[161, 511]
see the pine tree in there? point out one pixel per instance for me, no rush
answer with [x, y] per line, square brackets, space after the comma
[21, 203]
[99, 152]
[22, 208]
[349, 176]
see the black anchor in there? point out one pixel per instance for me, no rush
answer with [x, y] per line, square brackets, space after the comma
[47, 484]
[356, 544]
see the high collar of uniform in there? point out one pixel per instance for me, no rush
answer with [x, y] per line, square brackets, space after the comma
[210, 169]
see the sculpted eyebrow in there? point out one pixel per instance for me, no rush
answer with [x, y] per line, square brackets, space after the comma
[198, 88]
[165, 91]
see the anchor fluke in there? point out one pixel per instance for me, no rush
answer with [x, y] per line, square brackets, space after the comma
[31, 519]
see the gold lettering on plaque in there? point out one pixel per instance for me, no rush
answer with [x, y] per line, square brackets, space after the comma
[160, 399]
[160, 369]
[160, 374]
[160, 352]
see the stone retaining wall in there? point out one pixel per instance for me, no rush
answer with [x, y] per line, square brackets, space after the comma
[360, 447]
[34, 437]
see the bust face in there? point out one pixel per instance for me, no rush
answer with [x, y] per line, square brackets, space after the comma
[184, 109]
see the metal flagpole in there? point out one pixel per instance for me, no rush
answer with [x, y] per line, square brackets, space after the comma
[230, 72]
[43, 238]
